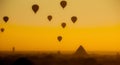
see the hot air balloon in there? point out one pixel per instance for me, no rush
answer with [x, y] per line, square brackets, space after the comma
[49, 17]
[59, 38]
[2, 29]
[6, 18]
[63, 4]
[63, 25]
[74, 19]
[35, 8]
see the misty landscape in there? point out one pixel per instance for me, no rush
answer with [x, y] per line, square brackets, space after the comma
[80, 57]
[59, 26]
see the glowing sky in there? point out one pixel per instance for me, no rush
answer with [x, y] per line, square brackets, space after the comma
[97, 27]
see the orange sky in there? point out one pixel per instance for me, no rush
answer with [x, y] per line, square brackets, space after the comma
[97, 27]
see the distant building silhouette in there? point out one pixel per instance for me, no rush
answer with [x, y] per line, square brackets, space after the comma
[13, 49]
[117, 55]
[81, 52]
[58, 52]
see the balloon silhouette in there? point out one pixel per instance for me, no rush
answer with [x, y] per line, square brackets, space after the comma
[49, 17]
[35, 8]
[5, 18]
[74, 19]
[2, 29]
[63, 4]
[59, 38]
[63, 25]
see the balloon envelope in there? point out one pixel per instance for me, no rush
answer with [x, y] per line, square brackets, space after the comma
[74, 19]
[2, 29]
[63, 25]
[49, 17]
[35, 8]
[63, 4]
[59, 38]
[6, 18]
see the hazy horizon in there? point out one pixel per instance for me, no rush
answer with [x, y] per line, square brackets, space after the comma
[97, 27]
